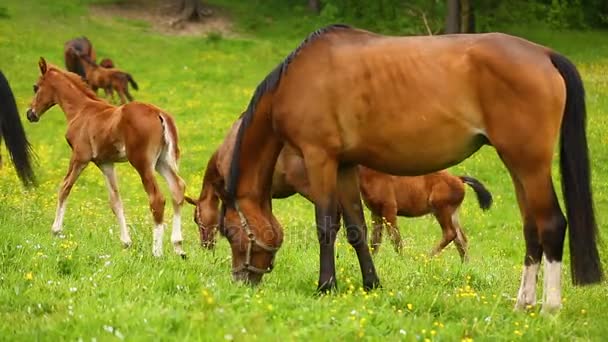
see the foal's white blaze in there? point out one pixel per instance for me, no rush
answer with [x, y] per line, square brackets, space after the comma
[58, 223]
[527, 289]
[157, 244]
[552, 294]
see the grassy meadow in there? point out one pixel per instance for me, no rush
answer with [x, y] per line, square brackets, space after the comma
[86, 287]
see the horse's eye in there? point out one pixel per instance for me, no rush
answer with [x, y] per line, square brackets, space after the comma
[35, 88]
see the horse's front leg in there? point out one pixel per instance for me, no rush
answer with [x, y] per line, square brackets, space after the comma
[356, 230]
[322, 173]
[75, 168]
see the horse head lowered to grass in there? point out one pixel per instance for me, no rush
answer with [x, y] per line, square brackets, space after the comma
[410, 106]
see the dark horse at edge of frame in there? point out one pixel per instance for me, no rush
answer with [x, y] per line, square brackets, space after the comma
[410, 106]
[11, 130]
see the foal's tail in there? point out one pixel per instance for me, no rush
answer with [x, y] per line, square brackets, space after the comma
[576, 179]
[171, 140]
[11, 129]
[132, 81]
[484, 197]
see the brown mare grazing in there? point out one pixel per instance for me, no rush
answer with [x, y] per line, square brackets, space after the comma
[73, 49]
[99, 132]
[106, 63]
[410, 106]
[109, 79]
[386, 196]
[11, 130]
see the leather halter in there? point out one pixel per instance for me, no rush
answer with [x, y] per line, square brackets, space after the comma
[247, 266]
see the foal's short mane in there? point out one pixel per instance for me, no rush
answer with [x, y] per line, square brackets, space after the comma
[77, 81]
[269, 84]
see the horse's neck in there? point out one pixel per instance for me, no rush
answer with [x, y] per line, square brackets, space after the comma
[259, 150]
[71, 99]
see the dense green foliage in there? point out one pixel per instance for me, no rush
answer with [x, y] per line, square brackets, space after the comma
[85, 286]
[406, 17]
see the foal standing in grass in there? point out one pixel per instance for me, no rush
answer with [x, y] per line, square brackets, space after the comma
[98, 132]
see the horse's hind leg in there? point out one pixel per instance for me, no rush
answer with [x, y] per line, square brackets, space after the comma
[461, 239]
[129, 97]
[116, 203]
[546, 236]
[390, 216]
[354, 221]
[443, 214]
[378, 227]
[74, 170]
[157, 205]
[168, 170]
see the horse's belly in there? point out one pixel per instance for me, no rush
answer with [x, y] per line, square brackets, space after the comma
[419, 155]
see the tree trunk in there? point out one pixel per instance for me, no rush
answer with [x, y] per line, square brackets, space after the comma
[314, 5]
[452, 18]
[467, 17]
[190, 10]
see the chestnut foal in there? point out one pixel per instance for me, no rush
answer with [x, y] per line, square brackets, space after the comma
[439, 193]
[98, 132]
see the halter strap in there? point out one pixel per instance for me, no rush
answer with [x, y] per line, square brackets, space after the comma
[246, 266]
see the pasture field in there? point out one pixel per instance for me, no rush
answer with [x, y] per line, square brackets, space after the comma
[85, 286]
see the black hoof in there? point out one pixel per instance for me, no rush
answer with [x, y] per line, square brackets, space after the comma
[327, 286]
[184, 256]
[373, 284]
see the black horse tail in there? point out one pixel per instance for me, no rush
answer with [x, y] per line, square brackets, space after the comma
[576, 178]
[132, 81]
[11, 129]
[484, 197]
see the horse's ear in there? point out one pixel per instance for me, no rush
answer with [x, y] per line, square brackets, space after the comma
[220, 191]
[190, 200]
[42, 65]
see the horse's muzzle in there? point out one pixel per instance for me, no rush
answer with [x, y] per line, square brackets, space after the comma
[247, 277]
[31, 116]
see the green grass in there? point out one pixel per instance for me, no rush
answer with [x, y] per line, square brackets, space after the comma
[86, 286]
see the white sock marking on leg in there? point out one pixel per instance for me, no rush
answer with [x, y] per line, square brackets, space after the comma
[527, 289]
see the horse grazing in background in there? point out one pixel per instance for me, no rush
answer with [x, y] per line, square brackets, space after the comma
[109, 80]
[439, 193]
[386, 196]
[411, 106]
[72, 51]
[98, 132]
[106, 63]
[11, 130]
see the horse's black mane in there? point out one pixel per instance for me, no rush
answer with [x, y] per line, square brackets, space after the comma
[268, 84]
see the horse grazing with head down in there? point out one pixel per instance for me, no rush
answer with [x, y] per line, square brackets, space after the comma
[109, 79]
[11, 130]
[98, 132]
[344, 95]
[386, 196]
[73, 49]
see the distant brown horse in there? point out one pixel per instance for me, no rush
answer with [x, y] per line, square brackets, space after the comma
[439, 193]
[109, 79]
[11, 130]
[98, 132]
[73, 49]
[410, 106]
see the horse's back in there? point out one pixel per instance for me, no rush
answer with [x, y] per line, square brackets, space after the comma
[441, 92]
